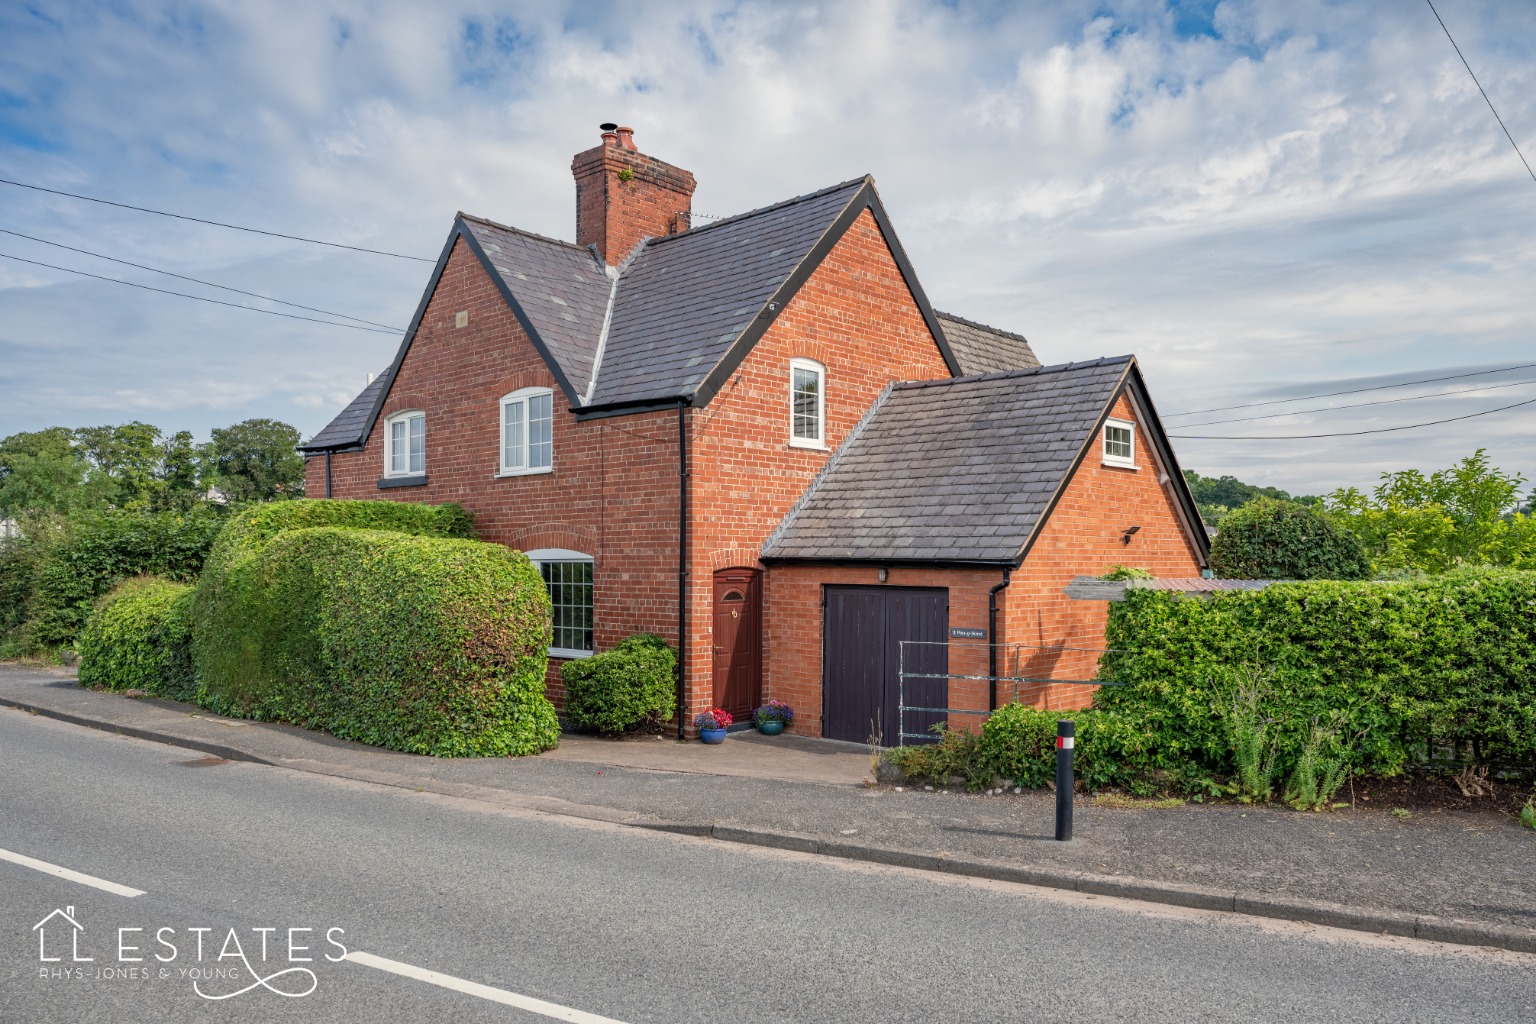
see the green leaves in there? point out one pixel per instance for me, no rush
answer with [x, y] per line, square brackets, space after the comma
[1280, 540]
[632, 686]
[140, 639]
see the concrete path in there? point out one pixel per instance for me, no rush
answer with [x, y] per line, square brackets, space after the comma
[1452, 876]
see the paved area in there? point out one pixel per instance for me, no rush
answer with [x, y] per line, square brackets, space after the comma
[1474, 867]
[593, 919]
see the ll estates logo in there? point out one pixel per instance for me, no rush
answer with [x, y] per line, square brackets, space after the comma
[188, 955]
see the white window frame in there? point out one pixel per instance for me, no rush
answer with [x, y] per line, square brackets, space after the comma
[820, 440]
[405, 417]
[1118, 461]
[524, 395]
[544, 556]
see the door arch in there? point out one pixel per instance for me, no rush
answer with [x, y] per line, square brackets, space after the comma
[738, 641]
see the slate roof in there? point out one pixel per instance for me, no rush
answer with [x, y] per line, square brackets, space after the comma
[347, 428]
[982, 349]
[958, 470]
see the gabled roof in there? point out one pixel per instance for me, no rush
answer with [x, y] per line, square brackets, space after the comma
[962, 471]
[673, 322]
[983, 349]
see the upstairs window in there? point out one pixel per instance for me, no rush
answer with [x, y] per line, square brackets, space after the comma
[1120, 444]
[527, 432]
[807, 404]
[405, 444]
[568, 575]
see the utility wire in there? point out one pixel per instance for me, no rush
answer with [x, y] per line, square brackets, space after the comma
[1351, 433]
[195, 280]
[199, 298]
[1358, 405]
[1480, 89]
[1354, 391]
[214, 223]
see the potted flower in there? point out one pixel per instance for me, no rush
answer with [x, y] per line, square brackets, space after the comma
[712, 724]
[772, 717]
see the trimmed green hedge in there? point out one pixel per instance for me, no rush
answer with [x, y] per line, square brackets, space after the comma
[401, 635]
[633, 686]
[1282, 540]
[140, 639]
[1400, 671]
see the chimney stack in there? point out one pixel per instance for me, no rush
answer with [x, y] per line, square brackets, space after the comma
[624, 196]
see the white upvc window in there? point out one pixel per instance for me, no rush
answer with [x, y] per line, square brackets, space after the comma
[1120, 443]
[568, 575]
[807, 404]
[527, 432]
[405, 444]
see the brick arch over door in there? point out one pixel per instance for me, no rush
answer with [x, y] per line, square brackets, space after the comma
[732, 558]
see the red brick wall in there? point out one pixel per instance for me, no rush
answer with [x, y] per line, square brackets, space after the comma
[615, 215]
[613, 493]
[857, 318]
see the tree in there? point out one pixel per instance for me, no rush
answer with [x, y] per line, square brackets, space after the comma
[1463, 515]
[128, 456]
[41, 471]
[1217, 496]
[255, 460]
[1268, 539]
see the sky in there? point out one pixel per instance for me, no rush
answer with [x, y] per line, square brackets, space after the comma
[1262, 201]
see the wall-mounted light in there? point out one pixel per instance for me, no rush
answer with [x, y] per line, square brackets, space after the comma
[1125, 538]
[882, 575]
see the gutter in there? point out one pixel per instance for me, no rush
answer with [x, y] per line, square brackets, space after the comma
[327, 472]
[992, 636]
[682, 564]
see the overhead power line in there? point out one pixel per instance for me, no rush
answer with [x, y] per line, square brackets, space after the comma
[1359, 405]
[215, 223]
[1480, 89]
[1350, 433]
[198, 298]
[1354, 391]
[196, 280]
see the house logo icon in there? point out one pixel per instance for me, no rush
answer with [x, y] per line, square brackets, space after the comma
[42, 928]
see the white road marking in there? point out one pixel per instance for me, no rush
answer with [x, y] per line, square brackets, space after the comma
[73, 876]
[495, 995]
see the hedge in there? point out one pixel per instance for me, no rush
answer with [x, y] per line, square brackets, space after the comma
[402, 635]
[1400, 672]
[1282, 540]
[633, 686]
[140, 639]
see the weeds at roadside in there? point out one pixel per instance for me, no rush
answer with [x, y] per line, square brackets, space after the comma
[1318, 774]
[1254, 748]
[1402, 814]
[1119, 801]
[1528, 814]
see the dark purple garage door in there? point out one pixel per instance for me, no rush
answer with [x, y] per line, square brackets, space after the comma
[861, 660]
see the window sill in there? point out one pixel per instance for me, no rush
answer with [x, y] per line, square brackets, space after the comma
[569, 655]
[522, 472]
[809, 446]
[1116, 464]
[419, 480]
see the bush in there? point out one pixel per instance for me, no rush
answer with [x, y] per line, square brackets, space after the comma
[140, 639]
[633, 686]
[402, 636]
[1281, 540]
[61, 567]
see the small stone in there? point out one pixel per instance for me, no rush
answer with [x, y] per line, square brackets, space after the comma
[898, 789]
[1018, 789]
[927, 789]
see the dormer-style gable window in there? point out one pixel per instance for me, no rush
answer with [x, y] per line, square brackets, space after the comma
[527, 432]
[405, 444]
[807, 404]
[1120, 444]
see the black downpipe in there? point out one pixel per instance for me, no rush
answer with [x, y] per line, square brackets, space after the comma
[682, 564]
[327, 473]
[992, 636]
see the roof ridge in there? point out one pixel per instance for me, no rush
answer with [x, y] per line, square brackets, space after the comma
[1032, 371]
[980, 326]
[518, 231]
[766, 209]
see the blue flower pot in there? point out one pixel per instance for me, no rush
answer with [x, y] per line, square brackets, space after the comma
[771, 728]
[712, 735]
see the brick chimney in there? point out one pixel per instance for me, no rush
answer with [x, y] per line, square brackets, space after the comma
[623, 196]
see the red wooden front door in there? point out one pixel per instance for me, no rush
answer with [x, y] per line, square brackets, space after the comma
[738, 641]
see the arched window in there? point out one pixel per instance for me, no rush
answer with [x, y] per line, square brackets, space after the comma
[568, 574]
[527, 432]
[807, 403]
[405, 444]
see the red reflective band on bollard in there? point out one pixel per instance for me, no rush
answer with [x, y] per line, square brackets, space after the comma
[1063, 742]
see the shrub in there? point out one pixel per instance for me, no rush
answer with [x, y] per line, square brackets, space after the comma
[1281, 540]
[403, 636]
[140, 639]
[773, 711]
[633, 686]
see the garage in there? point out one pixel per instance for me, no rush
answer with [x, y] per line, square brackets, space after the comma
[862, 660]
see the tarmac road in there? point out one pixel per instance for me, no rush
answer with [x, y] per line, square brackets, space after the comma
[596, 921]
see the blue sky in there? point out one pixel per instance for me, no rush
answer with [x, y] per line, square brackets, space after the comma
[1262, 200]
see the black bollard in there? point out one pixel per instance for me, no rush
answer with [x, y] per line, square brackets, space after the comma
[1064, 781]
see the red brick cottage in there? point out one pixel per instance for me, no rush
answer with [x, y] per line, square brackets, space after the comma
[757, 435]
